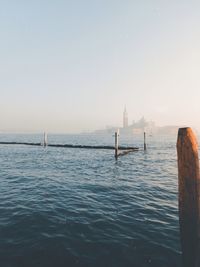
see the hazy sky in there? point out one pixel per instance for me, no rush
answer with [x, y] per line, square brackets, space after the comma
[68, 66]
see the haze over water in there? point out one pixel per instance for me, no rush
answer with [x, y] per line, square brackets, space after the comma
[71, 67]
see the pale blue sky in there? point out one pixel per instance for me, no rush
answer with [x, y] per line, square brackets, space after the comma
[70, 66]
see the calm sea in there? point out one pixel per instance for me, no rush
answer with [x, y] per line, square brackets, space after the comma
[71, 207]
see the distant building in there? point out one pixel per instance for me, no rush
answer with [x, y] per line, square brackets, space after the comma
[138, 127]
[125, 118]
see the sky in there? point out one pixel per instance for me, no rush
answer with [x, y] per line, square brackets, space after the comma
[72, 66]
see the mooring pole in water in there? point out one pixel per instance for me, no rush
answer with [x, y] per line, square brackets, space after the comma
[45, 139]
[145, 146]
[116, 143]
[189, 196]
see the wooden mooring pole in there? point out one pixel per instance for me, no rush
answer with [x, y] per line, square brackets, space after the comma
[116, 144]
[189, 196]
[145, 146]
[45, 139]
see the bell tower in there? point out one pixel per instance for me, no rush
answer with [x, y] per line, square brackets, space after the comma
[125, 118]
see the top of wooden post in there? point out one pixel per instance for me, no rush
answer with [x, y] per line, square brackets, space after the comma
[186, 138]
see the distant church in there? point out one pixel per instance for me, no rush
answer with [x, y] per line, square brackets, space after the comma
[125, 118]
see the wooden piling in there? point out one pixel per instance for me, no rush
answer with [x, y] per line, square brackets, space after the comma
[116, 144]
[45, 139]
[145, 146]
[189, 196]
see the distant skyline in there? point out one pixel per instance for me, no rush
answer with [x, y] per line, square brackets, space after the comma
[72, 66]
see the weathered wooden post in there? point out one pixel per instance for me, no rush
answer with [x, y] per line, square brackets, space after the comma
[116, 143]
[189, 196]
[145, 146]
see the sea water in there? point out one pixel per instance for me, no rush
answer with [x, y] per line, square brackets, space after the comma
[81, 207]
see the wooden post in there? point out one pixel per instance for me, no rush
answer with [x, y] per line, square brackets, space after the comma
[45, 139]
[189, 196]
[145, 146]
[116, 143]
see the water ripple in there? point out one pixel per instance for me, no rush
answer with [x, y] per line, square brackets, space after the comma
[65, 207]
